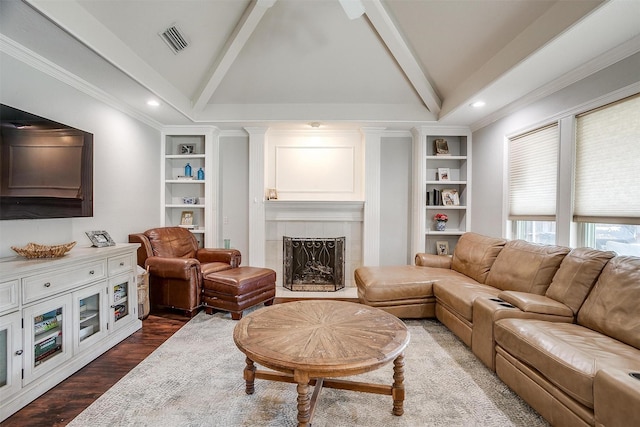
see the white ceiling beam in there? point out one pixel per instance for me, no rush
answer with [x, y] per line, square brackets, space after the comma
[403, 55]
[243, 30]
[73, 18]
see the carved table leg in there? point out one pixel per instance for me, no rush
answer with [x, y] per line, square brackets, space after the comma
[304, 398]
[397, 391]
[249, 376]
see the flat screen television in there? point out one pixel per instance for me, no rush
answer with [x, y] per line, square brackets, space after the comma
[46, 168]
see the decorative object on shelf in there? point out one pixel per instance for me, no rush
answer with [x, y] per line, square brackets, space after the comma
[34, 250]
[441, 221]
[189, 200]
[187, 149]
[443, 174]
[442, 247]
[272, 194]
[100, 238]
[200, 174]
[187, 170]
[185, 178]
[186, 218]
[450, 197]
[441, 147]
[227, 243]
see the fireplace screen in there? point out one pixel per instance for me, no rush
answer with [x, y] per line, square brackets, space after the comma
[313, 264]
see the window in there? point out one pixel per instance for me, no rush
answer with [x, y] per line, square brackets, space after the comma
[533, 177]
[607, 196]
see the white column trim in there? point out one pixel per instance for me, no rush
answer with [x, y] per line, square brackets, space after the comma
[371, 225]
[257, 227]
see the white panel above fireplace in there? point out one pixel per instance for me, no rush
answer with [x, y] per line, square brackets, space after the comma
[315, 170]
[315, 165]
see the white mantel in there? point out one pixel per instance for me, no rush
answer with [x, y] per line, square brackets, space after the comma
[314, 210]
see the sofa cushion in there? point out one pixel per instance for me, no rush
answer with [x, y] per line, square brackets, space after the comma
[172, 242]
[612, 307]
[526, 267]
[576, 276]
[566, 354]
[475, 254]
[394, 283]
[459, 292]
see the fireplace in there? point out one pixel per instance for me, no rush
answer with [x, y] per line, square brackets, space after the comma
[313, 264]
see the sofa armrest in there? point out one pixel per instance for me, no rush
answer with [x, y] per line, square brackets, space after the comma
[533, 303]
[431, 260]
[616, 398]
[145, 250]
[172, 268]
[229, 256]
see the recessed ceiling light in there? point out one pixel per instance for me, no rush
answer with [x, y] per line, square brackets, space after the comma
[153, 103]
[314, 124]
[478, 104]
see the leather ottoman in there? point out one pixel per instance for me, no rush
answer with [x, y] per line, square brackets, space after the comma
[237, 289]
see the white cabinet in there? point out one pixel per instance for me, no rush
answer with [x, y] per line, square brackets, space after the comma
[47, 335]
[90, 323]
[57, 315]
[11, 351]
[121, 300]
[443, 186]
[187, 198]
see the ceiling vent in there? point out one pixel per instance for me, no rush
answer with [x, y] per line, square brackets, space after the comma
[174, 39]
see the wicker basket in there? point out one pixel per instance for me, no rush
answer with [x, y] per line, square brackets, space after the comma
[34, 250]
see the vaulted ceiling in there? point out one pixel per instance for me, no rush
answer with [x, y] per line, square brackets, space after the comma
[297, 61]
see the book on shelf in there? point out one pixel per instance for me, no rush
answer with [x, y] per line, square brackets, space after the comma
[45, 325]
[119, 311]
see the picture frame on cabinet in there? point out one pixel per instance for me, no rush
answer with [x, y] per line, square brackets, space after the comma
[100, 239]
[186, 218]
[443, 174]
[441, 147]
[187, 149]
[442, 247]
[450, 197]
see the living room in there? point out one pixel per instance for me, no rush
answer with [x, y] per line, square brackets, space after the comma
[128, 148]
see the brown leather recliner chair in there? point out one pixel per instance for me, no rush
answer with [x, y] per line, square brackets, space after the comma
[176, 266]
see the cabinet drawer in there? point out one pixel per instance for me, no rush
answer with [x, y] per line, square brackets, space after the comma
[8, 296]
[42, 285]
[120, 264]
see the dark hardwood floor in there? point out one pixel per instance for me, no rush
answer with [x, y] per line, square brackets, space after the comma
[61, 404]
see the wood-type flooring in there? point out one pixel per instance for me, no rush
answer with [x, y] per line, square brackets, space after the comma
[61, 404]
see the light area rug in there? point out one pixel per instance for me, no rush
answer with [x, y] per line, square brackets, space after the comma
[195, 379]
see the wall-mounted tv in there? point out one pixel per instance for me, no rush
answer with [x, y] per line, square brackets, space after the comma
[46, 168]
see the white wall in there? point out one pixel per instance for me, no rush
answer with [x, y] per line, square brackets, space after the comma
[126, 161]
[234, 192]
[489, 142]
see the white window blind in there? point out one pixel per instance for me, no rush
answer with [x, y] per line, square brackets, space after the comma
[607, 189]
[533, 175]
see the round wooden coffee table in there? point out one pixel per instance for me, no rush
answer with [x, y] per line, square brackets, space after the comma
[307, 342]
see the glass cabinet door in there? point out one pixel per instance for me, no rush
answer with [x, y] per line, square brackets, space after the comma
[10, 354]
[122, 290]
[47, 336]
[89, 321]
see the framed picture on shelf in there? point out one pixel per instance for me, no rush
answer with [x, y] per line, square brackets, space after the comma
[100, 239]
[443, 174]
[442, 247]
[441, 147]
[186, 218]
[187, 149]
[450, 197]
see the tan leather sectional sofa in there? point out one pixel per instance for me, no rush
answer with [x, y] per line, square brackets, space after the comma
[560, 326]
